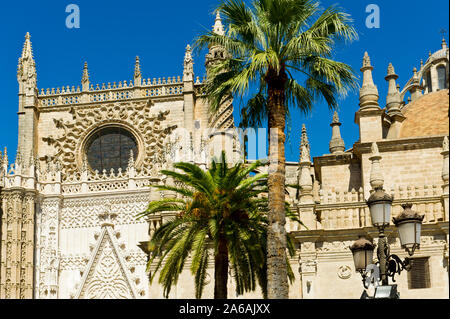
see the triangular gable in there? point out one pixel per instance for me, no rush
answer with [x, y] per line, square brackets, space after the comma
[106, 275]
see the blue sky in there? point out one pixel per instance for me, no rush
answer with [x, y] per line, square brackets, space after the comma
[112, 33]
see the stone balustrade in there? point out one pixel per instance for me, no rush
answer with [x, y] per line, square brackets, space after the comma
[348, 210]
[114, 92]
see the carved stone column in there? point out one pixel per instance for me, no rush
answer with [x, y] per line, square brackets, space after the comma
[47, 249]
[17, 244]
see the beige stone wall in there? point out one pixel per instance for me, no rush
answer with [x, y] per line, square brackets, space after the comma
[343, 177]
[407, 168]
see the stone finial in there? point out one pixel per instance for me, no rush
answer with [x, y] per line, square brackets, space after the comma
[5, 160]
[137, 72]
[304, 147]
[444, 44]
[366, 60]
[368, 94]
[416, 88]
[26, 70]
[337, 144]
[27, 51]
[393, 99]
[421, 64]
[85, 79]
[415, 76]
[218, 26]
[376, 176]
[188, 72]
[304, 178]
[445, 167]
[19, 158]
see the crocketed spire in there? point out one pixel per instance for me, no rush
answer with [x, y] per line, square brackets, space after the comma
[26, 70]
[137, 72]
[368, 94]
[304, 146]
[188, 72]
[85, 78]
[305, 180]
[218, 26]
[337, 144]
[393, 99]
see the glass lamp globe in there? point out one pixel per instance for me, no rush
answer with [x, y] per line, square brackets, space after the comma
[409, 224]
[380, 205]
[362, 251]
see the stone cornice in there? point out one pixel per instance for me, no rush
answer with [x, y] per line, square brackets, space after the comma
[328, 235]
[403, 144]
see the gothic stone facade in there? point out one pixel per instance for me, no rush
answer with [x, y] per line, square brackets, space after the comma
[70, 231]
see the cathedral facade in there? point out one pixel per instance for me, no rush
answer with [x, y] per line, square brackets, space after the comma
[87, 155]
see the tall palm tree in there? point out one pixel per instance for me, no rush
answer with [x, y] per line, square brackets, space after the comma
[268, 42]
[223, 208]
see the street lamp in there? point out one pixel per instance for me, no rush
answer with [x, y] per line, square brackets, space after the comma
[409, 224]
[409, 227]
[362, 251]
[380, 205]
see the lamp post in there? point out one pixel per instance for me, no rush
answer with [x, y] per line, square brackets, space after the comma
[409, 228]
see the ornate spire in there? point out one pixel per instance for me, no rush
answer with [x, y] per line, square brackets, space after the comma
[5, 158]
[218, 26]
[137, 72]
[368, 94]
[188, 72]
[337, 144]
[26, 71]
[304, 147]
[416, 88]
[85, 78]
[27, 51]
[376, 176]
[305, 180]
[444, 44]
[393, 99]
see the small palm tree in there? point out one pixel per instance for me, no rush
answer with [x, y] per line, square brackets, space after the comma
[222, 209]
[268, 42]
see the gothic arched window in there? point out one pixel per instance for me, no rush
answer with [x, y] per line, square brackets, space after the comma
[442, 77]
[110, 148]
[430, 88]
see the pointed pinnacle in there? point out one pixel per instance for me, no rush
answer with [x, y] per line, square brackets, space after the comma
[27, 51]
[85, 77]
[335, 118]
[366, 60]
[391, 70]
[218, 26]
[137, 68]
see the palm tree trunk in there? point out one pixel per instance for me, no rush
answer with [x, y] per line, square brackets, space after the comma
[277, 279]
[221, 270]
